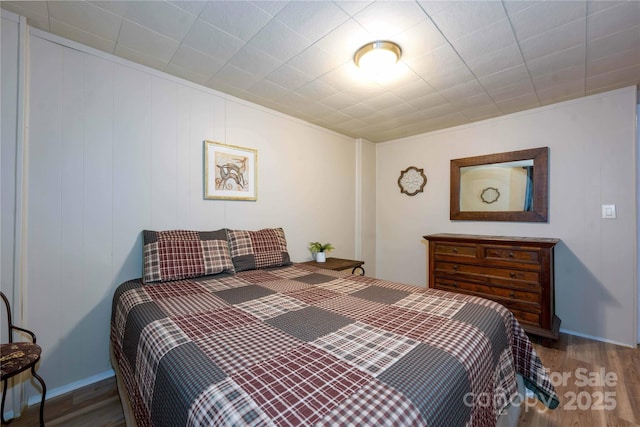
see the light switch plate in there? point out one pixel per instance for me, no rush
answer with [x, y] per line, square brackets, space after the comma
[609, 211]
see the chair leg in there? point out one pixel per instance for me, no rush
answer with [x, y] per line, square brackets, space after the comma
[4, 394]
[44, 393]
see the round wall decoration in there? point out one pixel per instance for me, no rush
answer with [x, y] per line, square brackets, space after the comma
[412, 181]
[490, 195]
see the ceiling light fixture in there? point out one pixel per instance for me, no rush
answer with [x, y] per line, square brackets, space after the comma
[377, 57]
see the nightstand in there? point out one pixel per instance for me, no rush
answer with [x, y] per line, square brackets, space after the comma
[339, 264]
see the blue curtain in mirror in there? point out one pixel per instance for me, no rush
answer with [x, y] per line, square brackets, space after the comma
[528, 195]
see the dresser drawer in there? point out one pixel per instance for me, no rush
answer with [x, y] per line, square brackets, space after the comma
[486, 272]
[531, 300]
[505, 253]
[461, 250]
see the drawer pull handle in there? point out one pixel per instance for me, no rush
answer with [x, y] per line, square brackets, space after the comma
[511, 255]
[455, 267]
[512, 294]
[455, 285]
[513, 275]
[455, 250]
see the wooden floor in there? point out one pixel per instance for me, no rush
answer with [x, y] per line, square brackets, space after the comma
[598, 385]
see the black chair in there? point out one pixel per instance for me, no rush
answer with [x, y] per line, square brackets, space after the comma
[16, 357]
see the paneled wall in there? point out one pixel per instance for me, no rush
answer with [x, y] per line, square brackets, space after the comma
[592, 160]
[114, 148]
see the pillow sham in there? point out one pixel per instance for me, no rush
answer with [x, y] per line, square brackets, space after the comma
[181, 254]
[252, 250]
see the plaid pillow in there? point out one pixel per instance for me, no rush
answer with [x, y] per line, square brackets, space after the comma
[252, 250]
[179, 254]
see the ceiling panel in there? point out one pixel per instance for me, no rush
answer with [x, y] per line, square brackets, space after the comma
[462, 60]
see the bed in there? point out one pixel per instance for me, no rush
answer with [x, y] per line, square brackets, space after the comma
[263, 341]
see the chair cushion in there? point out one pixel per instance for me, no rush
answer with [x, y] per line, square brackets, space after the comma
[17, 357]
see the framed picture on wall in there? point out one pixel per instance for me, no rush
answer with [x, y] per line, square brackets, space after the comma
[230, 172]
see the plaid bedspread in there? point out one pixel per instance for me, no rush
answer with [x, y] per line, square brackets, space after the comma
[297, 346]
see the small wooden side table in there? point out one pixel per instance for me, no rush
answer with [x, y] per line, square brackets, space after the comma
[339, 264]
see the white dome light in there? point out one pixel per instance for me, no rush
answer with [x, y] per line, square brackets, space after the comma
[377, 58]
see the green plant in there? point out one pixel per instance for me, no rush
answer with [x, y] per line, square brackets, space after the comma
[320, 247]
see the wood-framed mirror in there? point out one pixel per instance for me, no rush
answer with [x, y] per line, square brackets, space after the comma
[511, 186]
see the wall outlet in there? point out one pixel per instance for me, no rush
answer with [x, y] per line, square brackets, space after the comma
[609, 211]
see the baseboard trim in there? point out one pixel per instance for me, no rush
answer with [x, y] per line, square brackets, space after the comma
[58, 391]
[591, 337]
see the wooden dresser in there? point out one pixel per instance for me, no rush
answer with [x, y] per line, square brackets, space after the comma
[517, 272]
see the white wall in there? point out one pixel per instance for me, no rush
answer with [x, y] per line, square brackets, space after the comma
[592, 143]
[114, 148]
[9, 66]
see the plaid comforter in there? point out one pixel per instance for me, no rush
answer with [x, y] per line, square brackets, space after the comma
[299, 346]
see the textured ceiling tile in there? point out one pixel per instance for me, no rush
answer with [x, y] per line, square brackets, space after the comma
[617, 60]
[359, 111]
[559, 77]
[344, 40]
[398, 16]
[312, 19]
[431, 7]
[338, 101]
[272, 7]
[268, 90]
[186, 73]
[414, 89]
[463, 91]
[314, 61]
[87, 17]
[428, 101]
[522, 102]
[438, 61]
[212, 41]
[254, 61]
[546, 15]
[465, 17]
[481, 112]
[618, 78]
[240, 19]
[351, 7]
[494, 37]
[574, 56]
[513, 75]
[201, 63]
[510, 90]
[142, 39]
[560, 38]
[594, 7]
[419, 39]
[80, 36]
[494, 62]
[162, 17]
[621, 17]
[279, 41]
[316, 90]
[447, 78]
[233, 76]
[140, 57]
[288, 76]
[617, 42]
[117, 7]
[192, 6]
[561, 92]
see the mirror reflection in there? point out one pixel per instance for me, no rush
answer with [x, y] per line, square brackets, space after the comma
[506, 186]
[511, 186]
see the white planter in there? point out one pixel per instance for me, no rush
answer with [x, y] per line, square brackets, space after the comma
[321, 257]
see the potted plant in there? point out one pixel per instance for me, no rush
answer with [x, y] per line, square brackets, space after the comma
[320, 250]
